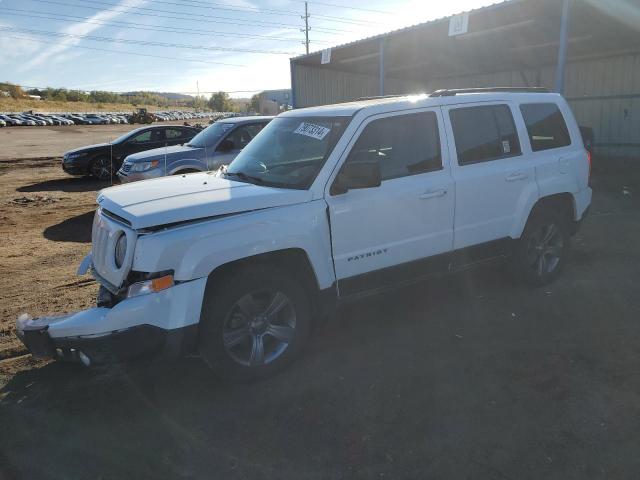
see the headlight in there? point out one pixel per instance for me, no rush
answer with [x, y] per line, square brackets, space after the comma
[71, 156]
[144, 166]
[121, 250]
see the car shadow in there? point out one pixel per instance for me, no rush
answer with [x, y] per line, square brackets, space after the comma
[84, 184]
[75, 229]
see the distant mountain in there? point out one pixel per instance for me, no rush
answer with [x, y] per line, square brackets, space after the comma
[167, 95]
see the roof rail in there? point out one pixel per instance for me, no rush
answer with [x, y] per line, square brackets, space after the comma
[457, 91]
[380, 96]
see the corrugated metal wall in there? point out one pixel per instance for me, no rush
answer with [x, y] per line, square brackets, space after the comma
[604, 93]
[321, 86]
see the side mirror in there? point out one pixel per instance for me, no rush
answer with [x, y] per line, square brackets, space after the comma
[225, 146]
[353, 175]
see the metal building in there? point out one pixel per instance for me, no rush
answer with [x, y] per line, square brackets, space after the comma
[514, 43]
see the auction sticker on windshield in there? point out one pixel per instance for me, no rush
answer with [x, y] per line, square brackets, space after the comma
[310, 130]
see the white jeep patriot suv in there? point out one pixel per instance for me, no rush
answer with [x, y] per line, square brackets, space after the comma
[325, 204]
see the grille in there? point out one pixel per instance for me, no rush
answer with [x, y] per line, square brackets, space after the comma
[104, 234]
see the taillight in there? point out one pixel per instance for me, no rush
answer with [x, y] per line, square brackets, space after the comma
[589, 160]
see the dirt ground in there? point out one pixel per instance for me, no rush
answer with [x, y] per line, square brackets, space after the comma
[470, 376]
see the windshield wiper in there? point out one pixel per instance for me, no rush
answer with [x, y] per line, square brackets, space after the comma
[245, 177]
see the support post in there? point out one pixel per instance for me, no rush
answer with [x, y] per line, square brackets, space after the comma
[381, 66]
[562, 48]
[293, 84]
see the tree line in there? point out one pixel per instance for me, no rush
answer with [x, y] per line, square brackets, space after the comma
[218, 102]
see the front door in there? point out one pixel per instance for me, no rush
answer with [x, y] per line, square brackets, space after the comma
[397, 231]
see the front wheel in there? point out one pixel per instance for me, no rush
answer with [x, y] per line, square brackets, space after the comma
[542, 250]
[101, 168]
[254, 322]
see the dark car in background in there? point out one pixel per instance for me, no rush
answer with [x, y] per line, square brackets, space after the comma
[104, 159]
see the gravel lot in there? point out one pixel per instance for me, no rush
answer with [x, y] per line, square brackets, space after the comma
[469, 376]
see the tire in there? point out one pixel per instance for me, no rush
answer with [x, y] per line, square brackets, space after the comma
[101, 168]
[254, 322]
[542, 250]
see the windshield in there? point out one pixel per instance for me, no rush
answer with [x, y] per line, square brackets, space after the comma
[289, 152]
[210, 135]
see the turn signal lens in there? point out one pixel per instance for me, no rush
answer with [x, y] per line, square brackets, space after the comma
[150, 286]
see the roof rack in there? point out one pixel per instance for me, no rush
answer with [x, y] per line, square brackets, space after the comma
[379, 97]
[457, 91]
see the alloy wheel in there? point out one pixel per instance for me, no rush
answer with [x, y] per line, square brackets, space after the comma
[101, 169]
[544, 249]
[259, 328]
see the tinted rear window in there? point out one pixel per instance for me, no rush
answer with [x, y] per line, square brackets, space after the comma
[545, 125]
[484, 133]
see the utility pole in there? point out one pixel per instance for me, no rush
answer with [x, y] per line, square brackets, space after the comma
[306, 26]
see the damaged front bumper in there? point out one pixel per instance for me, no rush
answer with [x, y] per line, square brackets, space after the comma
[164, 322]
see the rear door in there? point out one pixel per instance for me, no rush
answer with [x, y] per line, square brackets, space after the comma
[177, 136]
[396, 232]
[493, 177]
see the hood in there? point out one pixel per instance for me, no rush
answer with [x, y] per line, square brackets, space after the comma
[173, 151]
[88, 148]
[190, 197]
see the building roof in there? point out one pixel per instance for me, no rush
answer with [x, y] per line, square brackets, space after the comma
[511, 35]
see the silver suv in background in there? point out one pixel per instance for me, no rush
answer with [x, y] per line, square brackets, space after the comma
[215, 146]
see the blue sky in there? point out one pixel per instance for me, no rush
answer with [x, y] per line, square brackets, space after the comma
[43, 42]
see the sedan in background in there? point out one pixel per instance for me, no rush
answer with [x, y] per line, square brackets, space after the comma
[213, 147]
[104, 159]
[13, 122]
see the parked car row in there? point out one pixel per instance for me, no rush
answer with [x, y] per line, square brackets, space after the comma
[156, 151]
[28, 119]
[50, 119]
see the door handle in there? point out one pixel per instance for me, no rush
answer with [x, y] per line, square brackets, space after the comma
[433, 194]
[514, 177]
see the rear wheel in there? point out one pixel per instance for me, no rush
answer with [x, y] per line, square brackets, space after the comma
[254, 322]
[100, 168]
[542, 250]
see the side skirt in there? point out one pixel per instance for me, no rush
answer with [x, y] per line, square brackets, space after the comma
[398, 276]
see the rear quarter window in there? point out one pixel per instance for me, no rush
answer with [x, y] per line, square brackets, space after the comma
[546, 126]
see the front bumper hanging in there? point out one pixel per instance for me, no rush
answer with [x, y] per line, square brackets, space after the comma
[116, 346]
[163, 323]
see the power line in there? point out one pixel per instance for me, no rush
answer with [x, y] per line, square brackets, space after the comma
[120, 52]
[259, 10]
[362, 9]
[142, 26]
[226, 7]
[201, 17]
[144, 42]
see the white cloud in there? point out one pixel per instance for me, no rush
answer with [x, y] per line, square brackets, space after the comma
[81, 28]
[15, 49]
